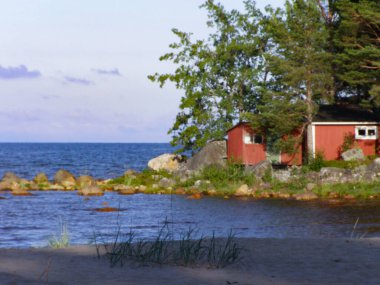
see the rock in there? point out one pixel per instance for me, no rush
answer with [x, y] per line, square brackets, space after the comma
[334, 175]
[282, 175]
[308, 196]
[5, 185]
[11, 177]
[19, 190]
[213, 153]
[65, 178]
[56, 187]
[41, 178]
[195, 196]
[168, 162]
[166, 182]
[91, 190]
[212, 192]
[373, 170]
[349, 197]
[261, 169]
[142, 188]
[243, 190]
[310, 187]
[353, 154]
[124, 189]
[85, 181]
[313, 177]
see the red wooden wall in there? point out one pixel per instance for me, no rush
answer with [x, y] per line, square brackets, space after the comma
[329, 140]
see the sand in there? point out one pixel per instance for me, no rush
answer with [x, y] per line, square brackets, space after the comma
[265, 261]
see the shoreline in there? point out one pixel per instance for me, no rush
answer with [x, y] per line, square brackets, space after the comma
[265, 261]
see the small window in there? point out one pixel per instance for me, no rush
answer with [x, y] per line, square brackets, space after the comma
[248, 138]
[258, 139]
[366, 132]
[253, 139]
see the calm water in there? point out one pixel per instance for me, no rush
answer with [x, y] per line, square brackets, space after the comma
[98, 160]
[31, 221]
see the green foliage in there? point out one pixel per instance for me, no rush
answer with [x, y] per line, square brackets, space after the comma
[225, 177]
[147, 177]
[358, 41]
[219, 75]
[317, 162]
[62, 239]
[348, 141]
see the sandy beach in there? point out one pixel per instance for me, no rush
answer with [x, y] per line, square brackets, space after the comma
[265, 261]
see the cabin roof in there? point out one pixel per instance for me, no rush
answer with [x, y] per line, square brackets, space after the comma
[345, 113]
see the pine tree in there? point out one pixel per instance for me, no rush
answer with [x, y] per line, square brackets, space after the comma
[358, 37]
[300, 72]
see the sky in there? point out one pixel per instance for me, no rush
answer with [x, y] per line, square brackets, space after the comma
[76, 70]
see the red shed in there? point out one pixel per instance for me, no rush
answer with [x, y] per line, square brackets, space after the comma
[335, 122]
[329, 128]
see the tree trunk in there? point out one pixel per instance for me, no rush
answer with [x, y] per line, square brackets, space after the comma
[309, 133]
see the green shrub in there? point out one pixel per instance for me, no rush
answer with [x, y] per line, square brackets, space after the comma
[317, 162]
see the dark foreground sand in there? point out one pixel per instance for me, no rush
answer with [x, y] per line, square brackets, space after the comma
[266, 261]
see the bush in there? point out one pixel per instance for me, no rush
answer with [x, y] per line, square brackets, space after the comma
[317, 162]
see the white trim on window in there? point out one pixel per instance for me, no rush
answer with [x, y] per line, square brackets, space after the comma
[366, 132]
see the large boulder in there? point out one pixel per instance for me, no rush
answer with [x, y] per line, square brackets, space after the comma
[261, 169]
[353, 154]
[213, 153]
[167, 161]
[65, 178]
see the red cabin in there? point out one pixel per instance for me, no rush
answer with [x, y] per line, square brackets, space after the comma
[330, 127]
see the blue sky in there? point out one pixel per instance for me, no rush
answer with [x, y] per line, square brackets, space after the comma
[76, 70]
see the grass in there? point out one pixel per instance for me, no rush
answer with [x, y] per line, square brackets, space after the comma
[189, 250]
[62, 239]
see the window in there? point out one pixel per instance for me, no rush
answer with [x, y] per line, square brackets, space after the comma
[252, 139]
[366, 132]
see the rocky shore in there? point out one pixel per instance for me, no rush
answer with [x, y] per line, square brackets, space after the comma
[172, 174]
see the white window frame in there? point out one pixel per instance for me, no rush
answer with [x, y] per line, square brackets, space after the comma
[366, 136]
[250, 138]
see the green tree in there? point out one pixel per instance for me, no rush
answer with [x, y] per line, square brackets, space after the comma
[300, 72]
[358, 37]
[220, 75]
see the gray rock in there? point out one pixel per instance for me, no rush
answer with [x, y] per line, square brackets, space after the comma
[166, 182]
[353, 154]
[334, 175]
[214, 153]
[282, 175]
[261, 169]
[167, 161]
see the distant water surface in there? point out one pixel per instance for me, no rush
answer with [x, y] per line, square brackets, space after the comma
[100, 160]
